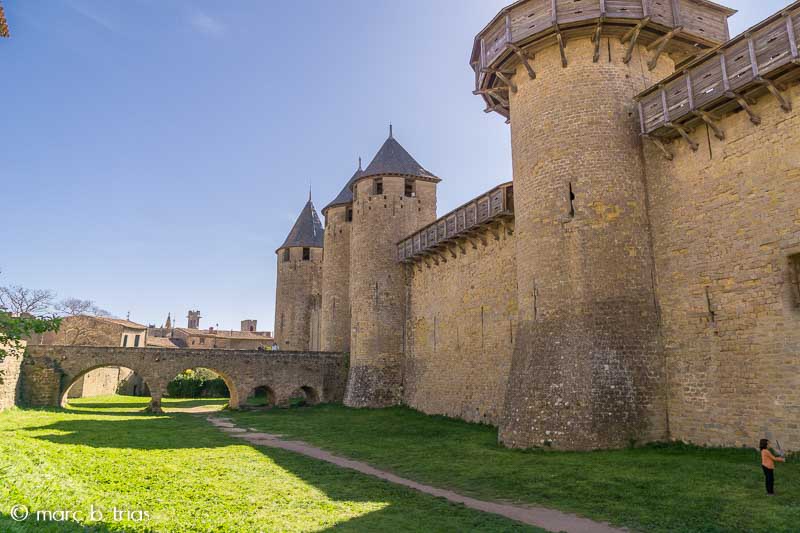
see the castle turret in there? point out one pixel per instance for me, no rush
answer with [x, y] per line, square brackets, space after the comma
[297, 300]
[335, 330]
[587, 370]
[392, 198]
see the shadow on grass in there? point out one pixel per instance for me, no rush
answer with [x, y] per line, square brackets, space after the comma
[404, 508]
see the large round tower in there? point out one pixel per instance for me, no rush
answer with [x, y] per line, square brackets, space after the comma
[297, 299]
[392, 198]
[335, 329]
[588, 370]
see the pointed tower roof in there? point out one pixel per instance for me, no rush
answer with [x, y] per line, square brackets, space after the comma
[168, 323]
[307, 230]
[346, 195]
[393, 160]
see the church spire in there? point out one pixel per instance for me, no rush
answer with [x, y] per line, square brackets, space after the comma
[168, 323]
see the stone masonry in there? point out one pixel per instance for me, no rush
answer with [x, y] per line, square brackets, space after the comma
[9, 377]
[49, 371]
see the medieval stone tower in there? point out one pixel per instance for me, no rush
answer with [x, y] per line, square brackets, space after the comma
[336, 270]
[297, 300]
[393, 197]
[588, 368]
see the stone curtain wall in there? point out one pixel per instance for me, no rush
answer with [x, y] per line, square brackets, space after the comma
[460, 328]
[48, 371]
[725, 221]
[9, 378]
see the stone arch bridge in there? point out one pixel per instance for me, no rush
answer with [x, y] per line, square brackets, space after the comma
[49, 371]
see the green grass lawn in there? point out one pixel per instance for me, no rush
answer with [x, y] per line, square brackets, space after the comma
[655, 488]
[189, 476]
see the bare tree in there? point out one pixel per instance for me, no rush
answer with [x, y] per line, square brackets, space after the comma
[76, 306]
[22, 301]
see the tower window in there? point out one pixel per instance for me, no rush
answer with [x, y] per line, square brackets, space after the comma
[306, 254]
[286, 255]
[794, 273]
[124, 341]
[136, 341]
[349, 214]
[409, 189]
[377, 186]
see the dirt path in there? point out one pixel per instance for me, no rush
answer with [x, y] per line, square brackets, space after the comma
[542, 517]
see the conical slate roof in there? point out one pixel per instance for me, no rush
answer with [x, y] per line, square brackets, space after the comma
[392, 159]
[307, 230]
[346, 195]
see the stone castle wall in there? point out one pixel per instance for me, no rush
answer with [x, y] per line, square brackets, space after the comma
[335, 327]
[378, 286]
[9, 377]
[460, 330]
[297, 300]
[726, 221]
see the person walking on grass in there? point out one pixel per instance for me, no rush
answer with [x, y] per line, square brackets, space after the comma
[768, 465]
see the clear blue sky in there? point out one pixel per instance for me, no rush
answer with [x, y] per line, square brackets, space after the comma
[153, 154]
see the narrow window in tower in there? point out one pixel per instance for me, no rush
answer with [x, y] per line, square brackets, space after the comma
[124, 341]
[794, 273]
[409, 189]
[377, 186]
[571, 202]
[285, 255]
[306, 254]
[349, 214]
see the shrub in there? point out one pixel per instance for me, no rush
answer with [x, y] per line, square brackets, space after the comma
[197, 384]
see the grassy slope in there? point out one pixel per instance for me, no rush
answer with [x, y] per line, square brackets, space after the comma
[191, 477]
[667, 488]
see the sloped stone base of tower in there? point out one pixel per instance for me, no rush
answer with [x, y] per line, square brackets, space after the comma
[587, 382]
[374, 385]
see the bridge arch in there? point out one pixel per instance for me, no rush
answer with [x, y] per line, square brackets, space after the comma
[233, 389]
[68, 380]
[263, 391]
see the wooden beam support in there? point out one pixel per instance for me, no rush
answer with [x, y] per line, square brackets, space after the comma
[786, 105]
[708, 119]
[745, 103]
[631, 37]
[741, 99]
[660, 44]
[683, 133]
[660, 146]
[598, 30]
[561, 46]
[524, 59]
[504, 77]
[494, 229]
[452, 253]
